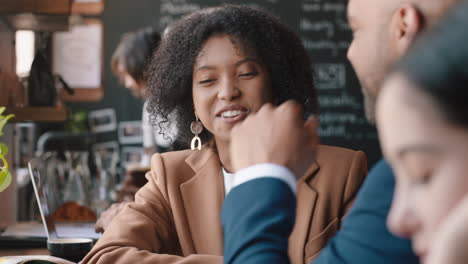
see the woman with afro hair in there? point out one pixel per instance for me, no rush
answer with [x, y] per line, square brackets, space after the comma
[214, 68]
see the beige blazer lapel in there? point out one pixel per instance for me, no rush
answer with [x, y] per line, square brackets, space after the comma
[306, 198]
[203, 197]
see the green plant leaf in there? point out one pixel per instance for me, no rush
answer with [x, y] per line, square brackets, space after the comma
[5, 179]
[4, 120]
[4, 162]
[3, 149]
[5, 175]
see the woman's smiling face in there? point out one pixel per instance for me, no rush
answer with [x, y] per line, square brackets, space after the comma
[228, 85]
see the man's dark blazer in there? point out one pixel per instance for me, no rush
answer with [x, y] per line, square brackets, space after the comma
[258, 217]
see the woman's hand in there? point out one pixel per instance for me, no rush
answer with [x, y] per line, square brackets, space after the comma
[451, 241]
[106, 217]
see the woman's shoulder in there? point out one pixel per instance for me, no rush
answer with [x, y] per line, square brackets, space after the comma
[170, 159]
[178, 166]
[187, 156]
[335, 164]
[177, 155]
[327, 154]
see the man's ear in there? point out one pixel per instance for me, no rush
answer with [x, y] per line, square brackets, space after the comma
[407, 23]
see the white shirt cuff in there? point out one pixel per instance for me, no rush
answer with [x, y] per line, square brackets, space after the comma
[265, 170]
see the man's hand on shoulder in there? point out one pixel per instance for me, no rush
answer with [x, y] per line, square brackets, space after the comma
[276, 135]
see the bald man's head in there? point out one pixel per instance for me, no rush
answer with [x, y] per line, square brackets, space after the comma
[383, 30]
[433, 10]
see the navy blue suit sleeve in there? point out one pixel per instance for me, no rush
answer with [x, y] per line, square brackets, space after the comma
[364, 237]
[258, 217]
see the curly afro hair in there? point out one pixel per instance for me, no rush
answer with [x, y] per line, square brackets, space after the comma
[277, 47]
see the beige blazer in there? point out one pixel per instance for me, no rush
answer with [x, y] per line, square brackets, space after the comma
[176, 216]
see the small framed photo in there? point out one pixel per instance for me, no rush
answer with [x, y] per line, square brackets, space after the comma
[131, 156]
[102, 120]
[130, 132]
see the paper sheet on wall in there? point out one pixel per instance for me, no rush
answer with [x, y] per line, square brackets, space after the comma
[77, 55]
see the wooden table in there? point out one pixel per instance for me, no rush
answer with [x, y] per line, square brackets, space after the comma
[42, 252]
[23, 251]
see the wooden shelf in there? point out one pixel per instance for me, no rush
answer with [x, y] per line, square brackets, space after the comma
[37, 15]
[38, 22]
[88, 7]
[37, 114]
[51, 7]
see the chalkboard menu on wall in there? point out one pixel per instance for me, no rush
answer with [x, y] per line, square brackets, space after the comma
[326, 35]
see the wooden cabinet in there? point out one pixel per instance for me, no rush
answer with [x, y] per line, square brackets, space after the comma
[10, 91]
[49, 16]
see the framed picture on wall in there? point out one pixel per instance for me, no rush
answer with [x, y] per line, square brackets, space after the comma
[102, 120]
[130, 132]
[77, 56]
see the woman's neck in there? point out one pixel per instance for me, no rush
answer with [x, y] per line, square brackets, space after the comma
[224, 155]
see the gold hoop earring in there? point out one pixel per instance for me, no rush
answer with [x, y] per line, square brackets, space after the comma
[196, 127]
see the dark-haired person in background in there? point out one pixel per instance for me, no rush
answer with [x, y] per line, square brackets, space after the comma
[383, 30]
[128, 63]
[215, 69]
[426, 97]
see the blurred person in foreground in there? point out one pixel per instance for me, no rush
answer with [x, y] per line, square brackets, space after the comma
[383, 30]
[426, 97]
